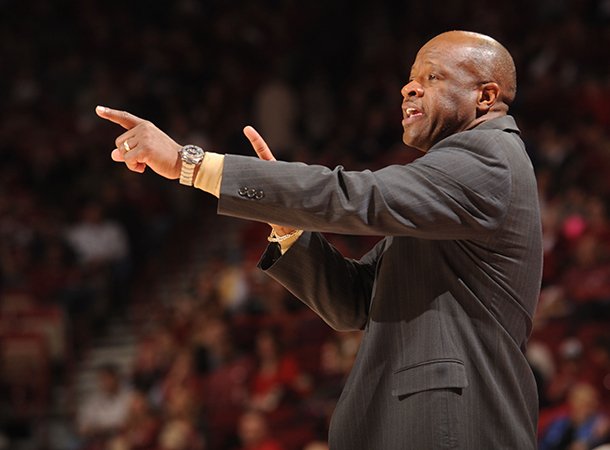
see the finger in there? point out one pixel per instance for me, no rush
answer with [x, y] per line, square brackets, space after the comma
[123, 118]
[140, 168]
[131, 141]
[117, 155]
[258, 143]
[133, 161]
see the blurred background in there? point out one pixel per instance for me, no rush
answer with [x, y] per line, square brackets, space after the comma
[134, 318]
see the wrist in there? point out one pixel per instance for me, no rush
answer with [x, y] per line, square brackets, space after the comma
[274, 237]
[281, 231]
[191, 157]
[285, 241]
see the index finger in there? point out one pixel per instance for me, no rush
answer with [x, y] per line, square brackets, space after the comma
[123, 118]
[258, 143]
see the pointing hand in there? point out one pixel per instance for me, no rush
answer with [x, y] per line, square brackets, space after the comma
[143, 144]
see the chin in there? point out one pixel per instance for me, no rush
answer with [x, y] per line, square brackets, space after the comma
[410, 142]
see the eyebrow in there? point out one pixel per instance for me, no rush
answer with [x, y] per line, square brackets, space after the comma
[434, 68]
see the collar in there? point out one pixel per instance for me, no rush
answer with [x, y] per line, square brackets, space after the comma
[504, 123]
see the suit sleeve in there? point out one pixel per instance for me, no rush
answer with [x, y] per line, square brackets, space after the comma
[459, 190]
[339, 290]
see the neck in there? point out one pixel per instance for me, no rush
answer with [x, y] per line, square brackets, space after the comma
[491, 115]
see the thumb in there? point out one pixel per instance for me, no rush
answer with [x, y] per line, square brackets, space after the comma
[262, 150]
[122, 118]
[258, 143]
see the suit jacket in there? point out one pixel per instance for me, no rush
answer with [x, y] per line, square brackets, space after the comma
[446, 299]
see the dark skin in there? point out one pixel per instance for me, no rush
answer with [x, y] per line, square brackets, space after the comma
[452, 88]
[459, 80]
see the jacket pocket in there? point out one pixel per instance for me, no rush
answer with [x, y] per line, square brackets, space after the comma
[427, 375]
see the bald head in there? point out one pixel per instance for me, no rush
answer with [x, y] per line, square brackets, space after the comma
[458, 80]
[484, 57]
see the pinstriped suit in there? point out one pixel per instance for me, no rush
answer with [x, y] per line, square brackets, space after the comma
[445, 299]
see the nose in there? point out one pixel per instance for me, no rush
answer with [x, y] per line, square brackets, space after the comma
[412, 89]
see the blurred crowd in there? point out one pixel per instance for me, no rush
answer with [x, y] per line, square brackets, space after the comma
[231, 360]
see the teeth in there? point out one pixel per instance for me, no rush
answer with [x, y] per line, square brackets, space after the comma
[411, 111]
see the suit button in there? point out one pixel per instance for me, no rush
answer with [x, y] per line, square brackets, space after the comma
[259, 195]
[242, 191]
[251, 193]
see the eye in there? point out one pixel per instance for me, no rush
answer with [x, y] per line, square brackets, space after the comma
[432, 77]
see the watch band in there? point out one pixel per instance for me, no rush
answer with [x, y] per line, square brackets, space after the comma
[186, 173]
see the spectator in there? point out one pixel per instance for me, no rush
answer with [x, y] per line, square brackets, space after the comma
[569, 371]
[277, 374]
[147, 369]
[182, 428]
[182, 376]
[254, 433]
[141, 426]
[583, 427]
[540, 360]
[226, 382]
[335, 364]
[104, 413]
[276, 111]
[102, 249]
[600, 359]
[316, 445]
[96, 239]
[587, 282]
[179, 434]
[213, 345]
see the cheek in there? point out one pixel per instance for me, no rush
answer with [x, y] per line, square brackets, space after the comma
[455, 108]
[444, 109]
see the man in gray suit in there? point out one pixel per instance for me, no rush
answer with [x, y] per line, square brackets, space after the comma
[446, 299]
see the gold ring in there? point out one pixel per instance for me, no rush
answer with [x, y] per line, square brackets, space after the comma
[126, 146]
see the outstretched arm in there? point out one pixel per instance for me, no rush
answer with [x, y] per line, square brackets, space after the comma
[458, 190]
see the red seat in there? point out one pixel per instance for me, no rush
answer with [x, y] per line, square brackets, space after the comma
[25, 373]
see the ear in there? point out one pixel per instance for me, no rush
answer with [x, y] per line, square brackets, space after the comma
[489, 94]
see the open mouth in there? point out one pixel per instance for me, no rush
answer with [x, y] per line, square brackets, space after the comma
[410, 114]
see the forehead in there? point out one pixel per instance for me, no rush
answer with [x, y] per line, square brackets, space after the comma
[451, 57]
[440, 53]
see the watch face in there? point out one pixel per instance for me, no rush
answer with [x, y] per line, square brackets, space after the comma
[192, 154]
